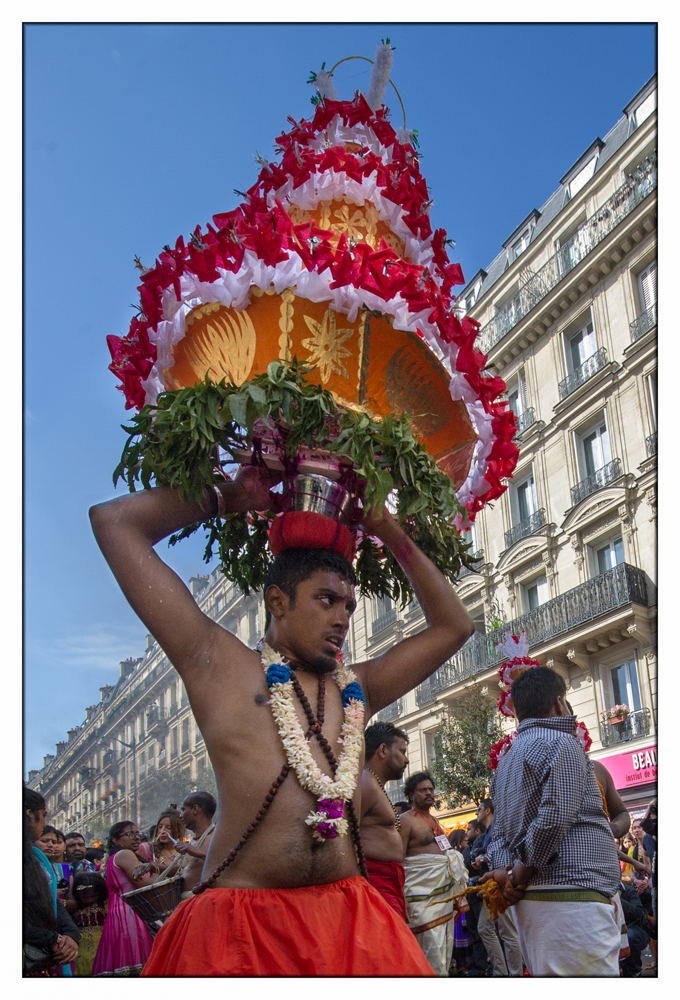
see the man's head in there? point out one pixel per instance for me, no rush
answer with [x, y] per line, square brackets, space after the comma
[401, 807]
[386, 748]
[474, 829]
[75, 847]
[197, 809]
[538, 693]
[309, 596]
[419, 789]
[485, 813]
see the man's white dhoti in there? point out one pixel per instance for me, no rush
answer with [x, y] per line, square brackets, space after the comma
[568, 938]
[431, 882]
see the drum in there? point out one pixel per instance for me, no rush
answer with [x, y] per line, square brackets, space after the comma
[155, 901]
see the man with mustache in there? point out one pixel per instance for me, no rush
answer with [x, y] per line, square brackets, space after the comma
[434, 873]
[276, 899]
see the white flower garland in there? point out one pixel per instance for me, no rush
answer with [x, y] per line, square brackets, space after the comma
[328, 822]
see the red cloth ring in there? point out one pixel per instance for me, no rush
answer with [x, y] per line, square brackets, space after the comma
[305, 529]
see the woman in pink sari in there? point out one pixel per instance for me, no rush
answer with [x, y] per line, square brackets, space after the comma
[125, 943]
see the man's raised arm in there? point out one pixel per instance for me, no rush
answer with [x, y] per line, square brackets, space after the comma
[127, 529]
[448, 624]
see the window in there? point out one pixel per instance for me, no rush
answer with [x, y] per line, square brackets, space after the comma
[582, 177]
[383, 606]
[429, 748]
[518, 399]
[478, 619]
[645, 109]
[524, 495]
[582, 345]
[607, 554]
[651, 385]
[647, 287]
[185, 735]
[521, 244]
[173, 741]
[535, 593]
[622, 687]
[594, 449]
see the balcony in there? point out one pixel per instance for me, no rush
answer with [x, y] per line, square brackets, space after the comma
[391, 712]
[382, 621]
[156, 722]
[526, 527]
[636, 725]
[600, 478]
[110, 763]
[651, 445]
[87, 777]
[593, 231]
[643, 324]
[525, 420]
[614, 589]
[590, 367]
[478, 556]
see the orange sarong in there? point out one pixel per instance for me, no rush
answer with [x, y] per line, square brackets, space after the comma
[341, 929]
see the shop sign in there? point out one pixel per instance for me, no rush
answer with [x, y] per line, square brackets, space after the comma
[632, 768]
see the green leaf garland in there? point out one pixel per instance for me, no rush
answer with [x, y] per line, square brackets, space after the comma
[178, 441]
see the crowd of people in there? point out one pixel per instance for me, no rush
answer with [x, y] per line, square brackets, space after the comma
[76, 921]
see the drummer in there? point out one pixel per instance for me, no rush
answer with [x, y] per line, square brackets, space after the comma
[198, 810]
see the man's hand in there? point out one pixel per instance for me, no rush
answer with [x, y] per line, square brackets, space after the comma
[65, 950]
[640, 885]
[478, 861]
[511, 893]
[195, 852]
[255, 484]
[373, 519]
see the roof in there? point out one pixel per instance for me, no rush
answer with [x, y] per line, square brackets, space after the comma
[543, 217]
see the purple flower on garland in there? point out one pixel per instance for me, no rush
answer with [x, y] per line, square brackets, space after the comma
[333, 809]
[352, 691]
[278, 673]
[327, 831]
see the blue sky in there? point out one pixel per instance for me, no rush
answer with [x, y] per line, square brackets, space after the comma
[135, 133]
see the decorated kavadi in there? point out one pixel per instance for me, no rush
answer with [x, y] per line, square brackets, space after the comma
[312, 330]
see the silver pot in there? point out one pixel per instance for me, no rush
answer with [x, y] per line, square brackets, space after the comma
[318, 494]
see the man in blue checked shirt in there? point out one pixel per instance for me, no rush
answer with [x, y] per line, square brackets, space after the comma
[552, 851]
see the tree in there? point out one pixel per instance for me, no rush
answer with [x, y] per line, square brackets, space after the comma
[463, 740]
[166, 787]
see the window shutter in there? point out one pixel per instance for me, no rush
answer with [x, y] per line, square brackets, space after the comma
[647, 282]
[522, 383]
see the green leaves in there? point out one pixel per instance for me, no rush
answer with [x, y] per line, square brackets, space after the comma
[177, 443]
[462, 742]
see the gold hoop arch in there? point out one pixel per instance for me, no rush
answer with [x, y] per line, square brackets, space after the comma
[366, 59]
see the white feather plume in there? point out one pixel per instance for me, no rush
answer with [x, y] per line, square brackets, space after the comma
[405, 135]
[380, 77]
[324, 86]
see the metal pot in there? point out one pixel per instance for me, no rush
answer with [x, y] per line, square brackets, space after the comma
[320, 495]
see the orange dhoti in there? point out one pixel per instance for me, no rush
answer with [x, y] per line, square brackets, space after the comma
[341, 929]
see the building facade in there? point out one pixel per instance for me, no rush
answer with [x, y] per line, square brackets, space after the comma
[568, 316]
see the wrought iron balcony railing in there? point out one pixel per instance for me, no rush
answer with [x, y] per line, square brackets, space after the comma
[590, 367]
[478, 556]
[595, 229]
[391, 712]
[382, 621]
[636, 725]
[651, 445]
[525, 527]
[619, 586]
[525, 420]
[600, 478]
[643, 324]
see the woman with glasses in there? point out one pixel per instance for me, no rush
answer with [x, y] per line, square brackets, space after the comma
[125, 943]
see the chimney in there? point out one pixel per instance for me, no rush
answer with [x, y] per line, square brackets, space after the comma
[105, 691]
[32, 775]
[127, 666]
[60, 747]
[72, 733]
[196, 584]
[149, 641]
[47, 759]
[90, 712]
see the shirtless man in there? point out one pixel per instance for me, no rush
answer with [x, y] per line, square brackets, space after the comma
[309, 596]
[434, 874]
[198, 810]
[380, 823]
